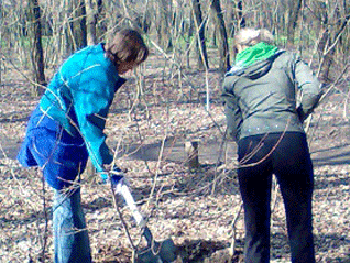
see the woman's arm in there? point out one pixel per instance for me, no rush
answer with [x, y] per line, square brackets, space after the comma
[232, 111]
[310, 87]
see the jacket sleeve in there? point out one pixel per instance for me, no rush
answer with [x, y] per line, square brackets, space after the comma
[232, 111]
[91, 102]
[310, 87]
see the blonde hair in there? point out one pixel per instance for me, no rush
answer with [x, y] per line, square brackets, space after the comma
[127, 46]
[250, 37]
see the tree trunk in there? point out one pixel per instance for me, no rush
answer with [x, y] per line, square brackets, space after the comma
[293, 13]
[188, 29]
[38, 53]
[101, 20]
[164, 27]
[68, 41]
[230, 17]
[241, 20]
[1, 32]
[224, 54]
[213, 40]
[91, 10]
[200, 36]
[324, 42]
[302, 29]
[342, 23]
[238, 13]
[80, 24]
[162, 21]
[158, 22]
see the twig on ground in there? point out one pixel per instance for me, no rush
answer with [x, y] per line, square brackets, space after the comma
[217, 163]
[234, 232]
[160, 158]
[45, 217]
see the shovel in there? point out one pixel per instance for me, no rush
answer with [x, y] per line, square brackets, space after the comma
[155, 252]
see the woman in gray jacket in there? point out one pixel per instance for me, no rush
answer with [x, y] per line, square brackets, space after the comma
[264, 117]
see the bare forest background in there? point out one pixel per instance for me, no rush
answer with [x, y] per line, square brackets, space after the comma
[38, 34]
[167, 123]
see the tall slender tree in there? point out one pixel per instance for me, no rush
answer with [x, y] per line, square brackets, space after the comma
[91, 14]
[38, 53]
[200, 36]
[324, 38]
[1, 30]
[80, 27]
[101, 19]
[224, 53]
[294, 7]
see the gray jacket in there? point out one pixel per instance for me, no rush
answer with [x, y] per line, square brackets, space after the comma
[262, 98]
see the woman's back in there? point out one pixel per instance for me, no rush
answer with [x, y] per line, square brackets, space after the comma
[263, 95]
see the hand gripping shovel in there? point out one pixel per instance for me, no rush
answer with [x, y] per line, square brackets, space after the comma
[155, 252]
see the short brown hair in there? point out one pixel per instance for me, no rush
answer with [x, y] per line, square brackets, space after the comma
[127, 46]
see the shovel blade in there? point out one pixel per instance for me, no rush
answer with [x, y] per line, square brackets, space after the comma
[168, 251]
[167, 248]
[148, 257]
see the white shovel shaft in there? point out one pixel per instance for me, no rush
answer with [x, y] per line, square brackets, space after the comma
[124, 191]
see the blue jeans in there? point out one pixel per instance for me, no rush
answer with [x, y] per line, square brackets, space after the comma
[71, 239]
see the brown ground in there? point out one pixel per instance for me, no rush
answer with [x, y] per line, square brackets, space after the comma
[195, 209]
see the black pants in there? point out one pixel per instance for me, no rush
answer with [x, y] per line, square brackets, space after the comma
[287, 156]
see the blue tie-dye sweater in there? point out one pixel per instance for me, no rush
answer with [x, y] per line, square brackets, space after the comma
[79, 97]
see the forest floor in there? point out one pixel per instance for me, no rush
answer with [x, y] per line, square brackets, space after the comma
[201, 210]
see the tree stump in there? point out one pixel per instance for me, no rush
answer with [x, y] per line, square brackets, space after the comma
[191, 149]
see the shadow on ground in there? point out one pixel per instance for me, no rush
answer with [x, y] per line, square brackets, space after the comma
[208, 251]
[209, 151]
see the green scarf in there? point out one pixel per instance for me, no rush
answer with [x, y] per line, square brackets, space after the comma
[255, 53]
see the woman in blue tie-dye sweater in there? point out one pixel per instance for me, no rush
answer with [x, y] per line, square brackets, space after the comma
[67, 127]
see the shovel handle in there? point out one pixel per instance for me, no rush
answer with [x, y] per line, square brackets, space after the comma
[124, 191]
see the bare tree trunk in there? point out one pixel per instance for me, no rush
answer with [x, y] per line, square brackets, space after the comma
[38, 53]
[235, 13]
[1, 32]
[75, 26]
[230, 19]
[188, 29]
[301, 30]
[165, 24]
[161, 26]
[91, 10]
[224, 63]
[293, 14]
[80, 24]
[68, 42]
[324, 41]
[238, 12]
[241, 20]
[213, 37]
[158, 24]
[101, 20]
[342, 23]
[202, 54]
[17, 36]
